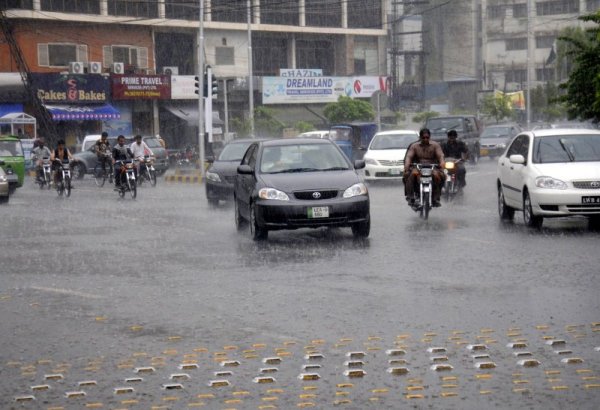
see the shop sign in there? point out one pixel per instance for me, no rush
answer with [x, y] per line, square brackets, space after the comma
[71, 88]
[141, 87]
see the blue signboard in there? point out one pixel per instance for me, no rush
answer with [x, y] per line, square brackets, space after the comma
[71, 88]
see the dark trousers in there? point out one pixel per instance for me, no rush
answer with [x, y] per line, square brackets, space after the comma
[412, 180]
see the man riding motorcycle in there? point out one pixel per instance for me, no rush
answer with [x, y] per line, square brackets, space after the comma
[140, 149]
[120, 152]
[37, 156]
[423, 152]
[453, 148]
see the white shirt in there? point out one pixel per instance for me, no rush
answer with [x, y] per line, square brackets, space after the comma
[139, 150]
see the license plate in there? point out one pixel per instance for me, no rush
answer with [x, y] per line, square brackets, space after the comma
[590, 199]
[318, 212]
[426, 180]
[394, 171]
[483, 152]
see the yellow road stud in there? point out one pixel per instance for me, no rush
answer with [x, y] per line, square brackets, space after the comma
[94, 405]
[148, 369]
[263, 380]
[560, 387]
[477, 347]
[521, 390]
[556, 342]
[414, 396]
[415, 388]
[398, 370]
[305, 404]
[241, 393]
[483, 376]
[342, 393]
[355, 373]
[572, 360]
[275, 391]
[449, 394]
[205, 396]
[592, 386]
[219, 383]
[123, 390]
[307, 396]
[344, 385]
[230, 363]
[529, 363]
[308, 388]
[581, 371]
[272, 360]
[485, 365]
[269, 370]
[395, 352]
[188, 366]
[41, 387]
[353, 364]
[484, 392]
[341, 402]
[523, 354]
[87, 383]
[436, 350]
[57, 376]
[438, 359]
[441, 367]
[24, 398]
[449, 386]
[309, 376]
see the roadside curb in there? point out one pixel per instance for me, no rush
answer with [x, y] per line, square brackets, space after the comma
[190, 179]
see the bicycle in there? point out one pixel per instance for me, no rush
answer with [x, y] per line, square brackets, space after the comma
[101, 173]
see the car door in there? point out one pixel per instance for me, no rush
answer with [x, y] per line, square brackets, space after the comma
[245, 183]
[511, 175]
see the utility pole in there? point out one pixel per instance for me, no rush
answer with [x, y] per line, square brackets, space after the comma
[201, 88]
[250, 71]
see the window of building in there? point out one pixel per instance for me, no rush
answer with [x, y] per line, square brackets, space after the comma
[315, 54]
[181, 9]
[544, 74]
[592, 5]
[364, 14]
[495, 12]
[278, 12]
[71, 6]
[321, 13]
[544, 41]
[520, 10]
[224, 56]
[516, 76]
[548, 8]
[61, 55]
[133, 8]
[360, 67]
[234, 11]
[269, 54]
[128, 55]
[516, 44]
[16, 4]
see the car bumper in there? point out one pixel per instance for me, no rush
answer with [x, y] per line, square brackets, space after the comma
[555, 202]
[4, 188]
[292, 215]
[375, 172]
[490, 151]
[219, 190]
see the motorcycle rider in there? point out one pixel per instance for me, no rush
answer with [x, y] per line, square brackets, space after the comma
[140, 149]
[424, 152]
[120, 152]
[453, 148]
[58, 156]
[102, 149]
[37, 156]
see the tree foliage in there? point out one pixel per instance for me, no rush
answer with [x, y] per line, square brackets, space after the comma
[265, 124]
[497, 107]
[582, 98]
[303, 126]
[347, 109]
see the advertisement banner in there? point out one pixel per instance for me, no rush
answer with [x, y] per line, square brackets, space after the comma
[300, 72]
[71, 88]
[305, 90]
[141, 87]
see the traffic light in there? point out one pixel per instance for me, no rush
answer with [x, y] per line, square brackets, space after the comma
[205, 91]
[214, 87]
[197, 84]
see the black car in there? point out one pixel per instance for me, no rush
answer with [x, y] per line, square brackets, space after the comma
[220, 176]
[299, 183]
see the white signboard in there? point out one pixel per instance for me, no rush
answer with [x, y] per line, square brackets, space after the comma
[183, 87]
[300, 72]
[282, 90]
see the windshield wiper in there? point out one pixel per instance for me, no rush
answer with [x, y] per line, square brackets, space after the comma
[335, 169]
[564, 147]
[291, 170]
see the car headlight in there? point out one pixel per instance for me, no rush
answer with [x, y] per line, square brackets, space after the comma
[370, 161]
[3, 178]
[211, 176]
[355, 190]
[272, 193]
[550, 183]
[501, 146]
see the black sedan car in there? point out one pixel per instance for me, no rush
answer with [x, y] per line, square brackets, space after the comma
[220, 176]
[299, 183]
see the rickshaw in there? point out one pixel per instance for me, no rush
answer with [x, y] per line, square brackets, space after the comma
[353, 138]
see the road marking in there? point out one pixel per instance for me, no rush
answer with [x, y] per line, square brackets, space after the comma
[66, 292]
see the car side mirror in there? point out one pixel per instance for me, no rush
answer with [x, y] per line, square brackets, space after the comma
[359, 164]
[245, 170]
[210, 159]
[517, 159]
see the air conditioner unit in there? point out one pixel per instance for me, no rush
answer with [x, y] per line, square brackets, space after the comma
[95, 67]
[118, 68]
[76, 67]
[170, 70]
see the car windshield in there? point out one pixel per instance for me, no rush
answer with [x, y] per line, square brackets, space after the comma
[566, 148]
[495, 132]
[234, 151]
[11, 149]
[444, 124]
[392, 141]
[152, 143]
[302, 158]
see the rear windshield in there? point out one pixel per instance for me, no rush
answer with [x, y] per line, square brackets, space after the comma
[234, 151]
[11, 149]
[566, 148]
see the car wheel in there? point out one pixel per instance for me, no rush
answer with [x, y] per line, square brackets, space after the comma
[362, 229]
[506, 212]
[240, 222]
[4, 199]
[79, 170]
[594, 223]
[531, 220]
[257, 232]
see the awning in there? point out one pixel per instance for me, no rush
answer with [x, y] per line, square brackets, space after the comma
[10, 108]
[189, 112]
[61, 112]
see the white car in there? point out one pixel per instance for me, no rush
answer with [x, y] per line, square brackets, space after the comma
[384, 158]
[550, 173]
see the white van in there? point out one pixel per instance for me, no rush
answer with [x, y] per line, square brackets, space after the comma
[88, 141]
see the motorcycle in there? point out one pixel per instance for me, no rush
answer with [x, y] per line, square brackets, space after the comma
[46, 176]
[451, 187]
[147, 171]
[126, 178]
[63, 183]
[424, 197]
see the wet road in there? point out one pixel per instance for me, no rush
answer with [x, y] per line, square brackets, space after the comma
[116, 303]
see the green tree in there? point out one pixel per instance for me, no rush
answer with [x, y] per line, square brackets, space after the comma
[582, 98]
[265, 123]
[347, 109]
[422, 117]
[497, 106]
[303, 126]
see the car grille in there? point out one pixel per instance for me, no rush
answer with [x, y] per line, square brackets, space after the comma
[586, 184]
[230, 179]
[318, 221]
[308, 195]
[584, 208]
[386, 175]
[390, 163]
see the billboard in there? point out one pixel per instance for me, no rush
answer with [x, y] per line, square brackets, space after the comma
[71, 88]
[141, 87]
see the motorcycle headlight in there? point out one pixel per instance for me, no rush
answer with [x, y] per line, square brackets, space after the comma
[211, 176]
[272, 193]
[355, 190]
[550, 183]
[370, 161]
[449, 165]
